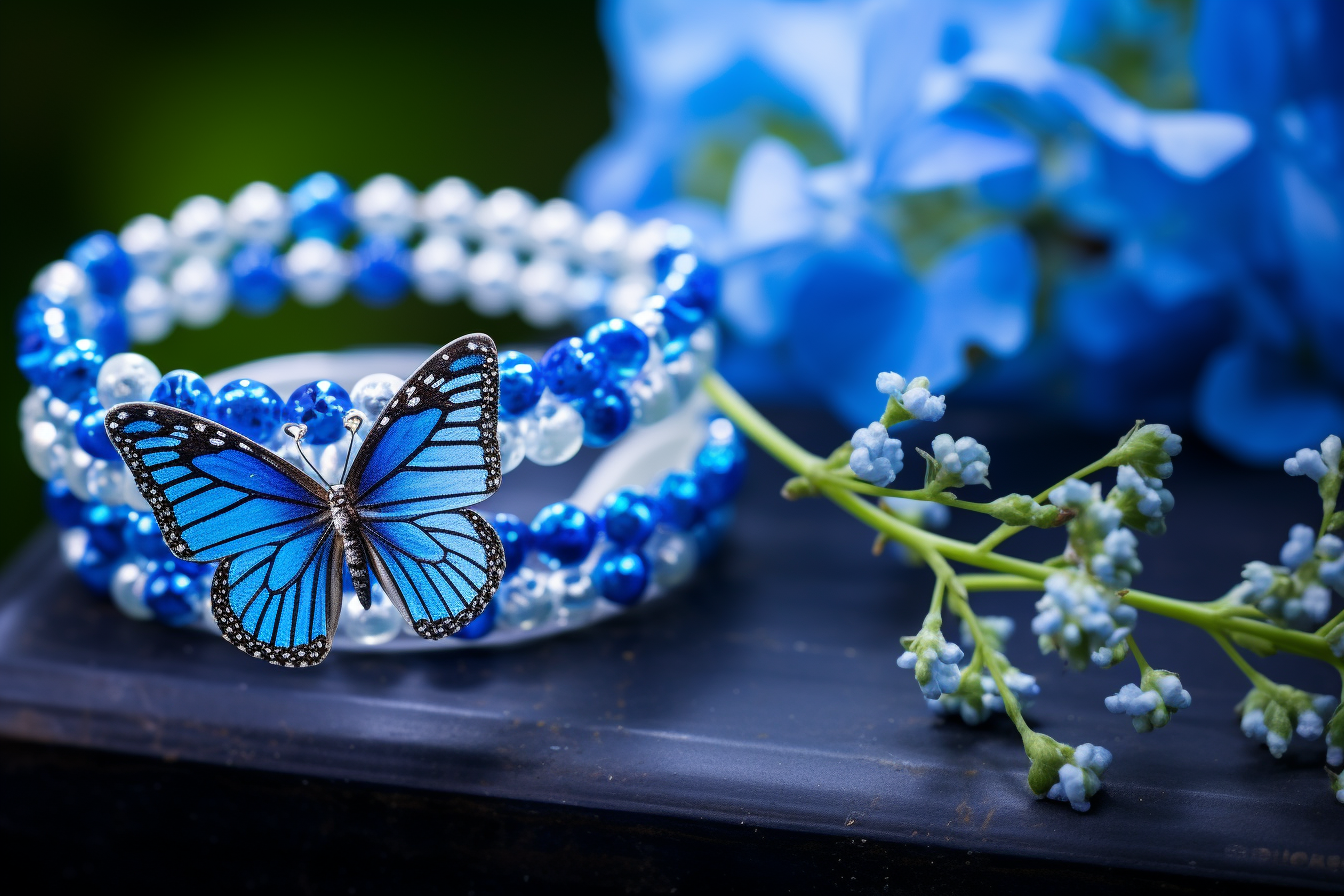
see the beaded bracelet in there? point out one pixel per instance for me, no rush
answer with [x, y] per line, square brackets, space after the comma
[652, 337]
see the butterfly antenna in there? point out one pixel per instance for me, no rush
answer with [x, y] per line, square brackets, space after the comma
[353, 421]
[297, 431]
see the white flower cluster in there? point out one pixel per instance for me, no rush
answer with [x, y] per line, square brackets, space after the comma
[1096, 538]
[1077, 620]
[1144, 502]
[1272, 719]
[1151, 702]
[876, 456]
[979, 697]
[934, 660]
[1315, 465]
[1149, 449]
[959, 462]
[1080, 777]
[914, 397]
[1298, 592]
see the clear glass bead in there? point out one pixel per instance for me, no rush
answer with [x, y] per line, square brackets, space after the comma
[552, 432]
[148, 307]
[39, 440]
[126, 377]
[449, 206]
[61, 282]
[573, 594]
[646, 241]
[542, 289]
[626, 296]
[380, 623]
[372, 393]
[107, 482]
[386, 206]
[604, 240]
[511, 446]
[555, 228]
[523, 601]
[492, 278]
[503, 217]
[259, 213]
[75, 464]
[149, 242]
[200, 226]
[201, 291]
[74, 542]
[653, 395]
[650, 320]
[673, 556]
[439, 266]
[128, 591]
[317, 271]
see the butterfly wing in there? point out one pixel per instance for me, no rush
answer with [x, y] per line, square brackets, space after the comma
[433, 452]
[220, 497]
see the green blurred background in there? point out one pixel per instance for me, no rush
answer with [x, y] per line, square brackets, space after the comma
[106, 114]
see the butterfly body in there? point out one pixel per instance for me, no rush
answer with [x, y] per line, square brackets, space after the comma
[280, 538]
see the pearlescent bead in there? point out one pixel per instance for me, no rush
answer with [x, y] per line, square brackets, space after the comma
[201, 290]
[585, 291]
[386, 206]
[572, 592]
[648, 239]
[317, 207]
[626, 296]
[107, 265]
[259, 213]
[628, 517]
[170, 592]
[62, 281]
[439, 267]
[91, 435]
[142, 535]
[604, 240]
[673, 556]
[572, 368]
[481, 626]
[621, 576]
[563, 535]
[184, 389]
[248, 408]
[555, 227]
[606, 415]
[512, 448]
[61, 504]
[33, 406]
[516, 537]
[372, 393]
[380, 623]
[257, 276]
[492, 281]
[523, 600]
[73, 372]
[653, 396]
[542, 287]
[321, 406]
[317, 271]
[623, 346]
[200, 227]
[680, 504]
[73, 541]
[521, 384]
[40, 441]
[331, 460]
[552, 433]
[108, 481]
[148, 306]
[128, 591]
[148, 240]
[126, 377]
[382, 271]
[650, 320]
[449, 206]
[75, 463]
[504, 215]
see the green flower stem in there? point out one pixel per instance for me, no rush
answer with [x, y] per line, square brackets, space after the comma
[987, 582]
[854, 484]
[1005, 531]
[1328, 508]
[1256, 678]
[1330, 626]
[1144, 668]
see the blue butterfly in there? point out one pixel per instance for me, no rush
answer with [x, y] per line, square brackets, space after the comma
[279, 537]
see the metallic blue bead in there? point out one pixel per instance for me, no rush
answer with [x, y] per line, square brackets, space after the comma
[628, 517]
[106, 263]
[621, 576]
[520, 384]
[74, 370]
[480, 626]
[680, 503]
[171, 592]
[96, 567]
[694, 292]
[662, 262]
[382, 271]
[623, 346]
[43, 328]
[563, 535]
[258, 280]
[102, 318]
[142, 535]
[184, 389]
[91, 434]
[321, 406]
[676, 320]
[516, 537]
[61, 504]
[572, 368]
[606, 415]
[709, 532]
[105, 525]
[318, 205]
[248, 408]
[720, 468]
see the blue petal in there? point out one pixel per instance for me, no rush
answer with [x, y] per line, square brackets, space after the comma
[958, 148]
[769, 204]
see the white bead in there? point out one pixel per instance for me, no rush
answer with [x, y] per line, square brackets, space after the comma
[128, 591]
[371, 394]
[65, 416]
[75, 464]
[380, 623]
[522, 601]
[148, 306]
[650, 320]
[653, 396]
[134, 499]
[585, 291]
[33, 407]
[331, 458]
[200, 227]
[673, 556]
[552, 432]
[604, 240]
[449, 206]
[200, 291]
[542, 289]
[317, 271]
[511, 446]
[439, 266]
[149, 242]
[126, 377]
[386, 206]
[572, 593]
[39, 443]
[492, 278]
[503, 216]
[555, 228]
[62, 281]
[106, 482]
[646, 241]
[259, 213]
[74, 542]
[627, 296]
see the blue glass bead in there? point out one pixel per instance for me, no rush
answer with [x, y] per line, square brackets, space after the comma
[184, 389]
[563, 535]
[91, 434]
[621, 576]
[676, 320]
[170, 591]
[105, 525]
[43, 329]
[318, 206]
[720, 468]
[480, 626]
[606, 415]
[248, 408]
[74, 370]
[96, 567]
[258, 280]
[628, 517]
[516, 537]
[623, 346]
[710, 531]
[382, 271]
[520, 384]
[105, 323]
[321, 406]
[662, 262]
[61, 504]
[141, 535]
[679, 500]
[104, 261]
[694, 292]
[572, 368]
